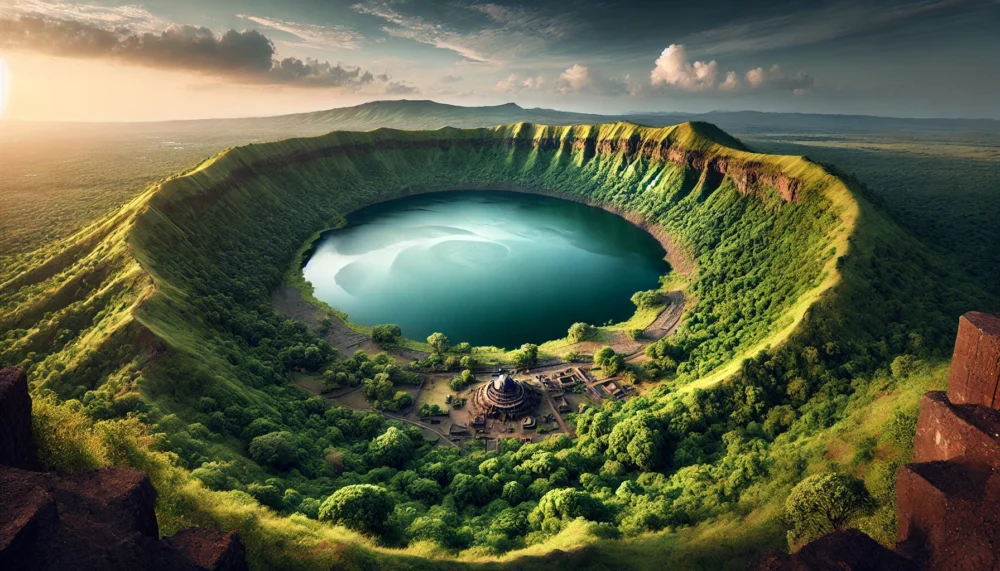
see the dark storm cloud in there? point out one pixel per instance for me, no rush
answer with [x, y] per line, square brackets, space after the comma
[246, 56]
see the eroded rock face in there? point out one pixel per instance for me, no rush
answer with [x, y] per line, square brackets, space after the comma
[98, 520]
[16, 445]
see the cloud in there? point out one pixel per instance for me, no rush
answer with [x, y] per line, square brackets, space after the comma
[516, 84]
[583, 79]
[451, 78]
[504, 35]
[576, 78]
[132, 17]
[775, 78]
[822, 22]
[311, 35]
[246, 56]
[673, 68]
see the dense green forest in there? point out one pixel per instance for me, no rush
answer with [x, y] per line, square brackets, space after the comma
[154, 328]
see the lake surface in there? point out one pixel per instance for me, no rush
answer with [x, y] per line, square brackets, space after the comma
[486, 267]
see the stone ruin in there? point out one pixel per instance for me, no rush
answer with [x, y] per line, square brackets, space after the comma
[948, 499]
[90, 521]
[505, 398]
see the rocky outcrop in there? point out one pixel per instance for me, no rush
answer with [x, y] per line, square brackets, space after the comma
[848, 550]
[17, 449]
[98, 520]
[948, 500]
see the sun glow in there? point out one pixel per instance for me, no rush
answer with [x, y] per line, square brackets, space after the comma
[4, 85]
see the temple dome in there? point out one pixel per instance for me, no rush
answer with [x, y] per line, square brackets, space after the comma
[505, 397]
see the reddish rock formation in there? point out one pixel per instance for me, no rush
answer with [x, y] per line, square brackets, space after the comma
[97, 520]
[948, 502]
[848, 550]
[16, 445]
[975, 365]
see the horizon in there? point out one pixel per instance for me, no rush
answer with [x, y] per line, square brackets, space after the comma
[108, 61]
[611, 116]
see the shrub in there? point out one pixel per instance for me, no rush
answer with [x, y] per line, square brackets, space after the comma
[581, 332]
[386, 335]
[276, 449]
[822, 504]
[361, 507]
[647, 299]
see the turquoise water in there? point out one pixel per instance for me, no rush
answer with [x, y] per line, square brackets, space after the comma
[486, 267]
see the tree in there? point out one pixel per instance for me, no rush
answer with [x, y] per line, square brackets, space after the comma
[637, 440]
[461, 381]
[401, 400]
[378, 388]
[392, 448]
[275, 449]
[386, 335]
[603, 355]
[822, 504]
[361, 507]
[610, 362]
[438, 342]
[564, 504]
[527, 356]
[581, 332]
[469, 489]
[647, 299]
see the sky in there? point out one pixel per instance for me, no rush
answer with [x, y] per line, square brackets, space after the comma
[101, 60]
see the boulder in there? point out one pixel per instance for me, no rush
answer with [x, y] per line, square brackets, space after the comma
[209, 549]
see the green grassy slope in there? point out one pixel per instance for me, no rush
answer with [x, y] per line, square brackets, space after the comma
[166, 303]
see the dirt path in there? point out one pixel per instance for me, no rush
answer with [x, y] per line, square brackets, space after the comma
[444, 437]
[288, 301]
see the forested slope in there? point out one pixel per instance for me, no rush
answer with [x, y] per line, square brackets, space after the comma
[804, 292]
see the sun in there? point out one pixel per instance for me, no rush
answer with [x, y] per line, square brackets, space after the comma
[4, 85]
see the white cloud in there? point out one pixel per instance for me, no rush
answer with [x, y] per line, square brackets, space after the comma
[575, 79]
[311, 34]
[136, 18]
[673, 68]
[731, 83]
[515, 84]
[775, 78]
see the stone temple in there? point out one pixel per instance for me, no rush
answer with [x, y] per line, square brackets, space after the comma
[505, 398]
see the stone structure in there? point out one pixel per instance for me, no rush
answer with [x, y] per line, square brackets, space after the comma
[948, 500]
[97, 520]
[505, 398]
